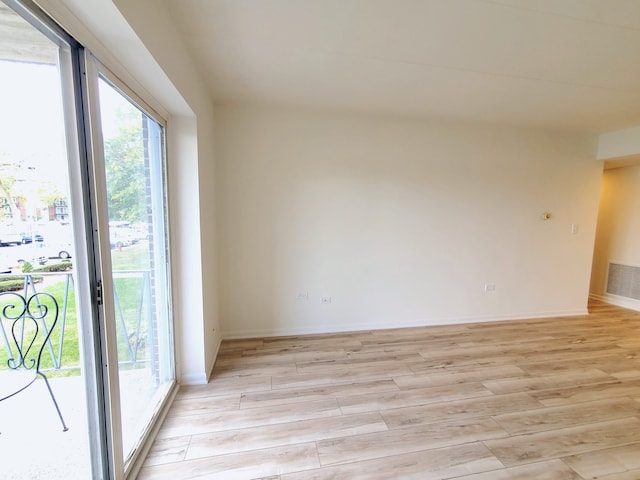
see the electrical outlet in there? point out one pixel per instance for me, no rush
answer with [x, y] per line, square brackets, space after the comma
[302, 295]
[489, 287]
[325, 299]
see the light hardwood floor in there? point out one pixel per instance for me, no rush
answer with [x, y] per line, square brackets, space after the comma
[544, 399]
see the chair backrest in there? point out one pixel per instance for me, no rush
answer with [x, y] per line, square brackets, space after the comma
[26, 325]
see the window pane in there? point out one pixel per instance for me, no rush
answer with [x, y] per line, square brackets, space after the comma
[134, 171]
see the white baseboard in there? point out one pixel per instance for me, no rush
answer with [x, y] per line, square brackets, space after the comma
[214, 358]
[194, 379]
[354, 327]
[617, 300]
[201, 378]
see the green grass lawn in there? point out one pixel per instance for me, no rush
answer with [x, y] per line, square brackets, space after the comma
[128, 290]
[134, 257]
[69, 356]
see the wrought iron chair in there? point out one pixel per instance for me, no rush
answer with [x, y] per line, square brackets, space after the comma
[26, 325]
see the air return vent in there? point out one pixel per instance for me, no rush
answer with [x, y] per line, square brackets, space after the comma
[624, 280]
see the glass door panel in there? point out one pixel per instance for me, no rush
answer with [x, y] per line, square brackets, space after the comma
[38, 255]
[133, 144]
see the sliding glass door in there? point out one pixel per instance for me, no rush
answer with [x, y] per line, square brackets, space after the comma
[83, 217]
[133, 170]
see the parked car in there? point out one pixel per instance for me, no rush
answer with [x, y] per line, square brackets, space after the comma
[34, 258]
[63, 252]
[26, 238]
[47, 250]
[7, 238]
[122, 237]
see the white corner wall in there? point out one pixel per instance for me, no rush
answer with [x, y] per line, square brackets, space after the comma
[618, 234]
[399, 222]
[193, 217]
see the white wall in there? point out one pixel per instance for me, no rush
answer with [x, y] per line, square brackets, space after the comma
[400, 222]
[618, 234]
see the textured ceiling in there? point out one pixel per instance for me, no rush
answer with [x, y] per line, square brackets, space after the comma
[562, 64]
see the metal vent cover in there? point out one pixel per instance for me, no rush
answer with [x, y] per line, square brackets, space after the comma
[624, 280]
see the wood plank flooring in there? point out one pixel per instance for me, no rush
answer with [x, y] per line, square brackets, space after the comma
[550, 399]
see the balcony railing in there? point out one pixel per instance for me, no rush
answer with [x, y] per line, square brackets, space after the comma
[133, 308]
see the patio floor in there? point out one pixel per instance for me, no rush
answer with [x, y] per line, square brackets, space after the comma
[32, 443]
